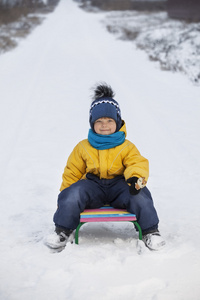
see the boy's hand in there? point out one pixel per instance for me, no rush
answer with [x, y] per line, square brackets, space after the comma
[136, 184]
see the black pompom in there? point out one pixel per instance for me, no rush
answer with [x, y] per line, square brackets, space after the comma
[103, 90]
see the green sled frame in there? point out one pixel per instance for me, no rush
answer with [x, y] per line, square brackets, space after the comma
[106, 214]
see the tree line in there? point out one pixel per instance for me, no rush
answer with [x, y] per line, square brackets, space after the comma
[22, 3]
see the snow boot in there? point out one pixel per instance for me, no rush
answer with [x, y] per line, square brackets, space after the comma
[59, 238]
[153, 240]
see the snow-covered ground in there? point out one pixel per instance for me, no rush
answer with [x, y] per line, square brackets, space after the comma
[45, 96]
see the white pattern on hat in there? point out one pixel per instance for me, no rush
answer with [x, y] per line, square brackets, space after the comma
[106, 101]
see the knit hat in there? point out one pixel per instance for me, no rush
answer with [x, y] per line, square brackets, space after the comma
[105, 106]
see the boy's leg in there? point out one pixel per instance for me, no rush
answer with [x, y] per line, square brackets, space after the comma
[74, 199]
[141, 205]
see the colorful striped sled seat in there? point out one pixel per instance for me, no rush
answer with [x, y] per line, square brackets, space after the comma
[106, 214]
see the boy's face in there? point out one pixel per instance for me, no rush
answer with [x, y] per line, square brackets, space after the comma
[105, 126]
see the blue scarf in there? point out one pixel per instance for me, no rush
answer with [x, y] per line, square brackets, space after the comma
[102, 142]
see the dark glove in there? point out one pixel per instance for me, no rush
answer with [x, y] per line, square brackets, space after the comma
[132, 189]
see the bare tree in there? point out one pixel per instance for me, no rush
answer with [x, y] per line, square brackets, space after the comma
[20, 3]
[184, 9]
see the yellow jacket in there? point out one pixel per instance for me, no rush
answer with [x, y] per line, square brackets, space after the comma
[124, 159]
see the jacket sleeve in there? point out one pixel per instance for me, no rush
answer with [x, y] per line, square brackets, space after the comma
[135, 164]
[75, 168]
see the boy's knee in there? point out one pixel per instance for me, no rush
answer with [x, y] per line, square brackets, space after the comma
[74, 189]
[74, 196]
[143, 198]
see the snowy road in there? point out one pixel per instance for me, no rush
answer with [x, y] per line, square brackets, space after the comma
[44, 86]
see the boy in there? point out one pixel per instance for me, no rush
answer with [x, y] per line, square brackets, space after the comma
[104, 169]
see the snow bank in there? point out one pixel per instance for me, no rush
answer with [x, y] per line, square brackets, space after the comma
[174, 44]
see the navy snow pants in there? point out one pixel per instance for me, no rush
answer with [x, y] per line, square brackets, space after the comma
[95, 193]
